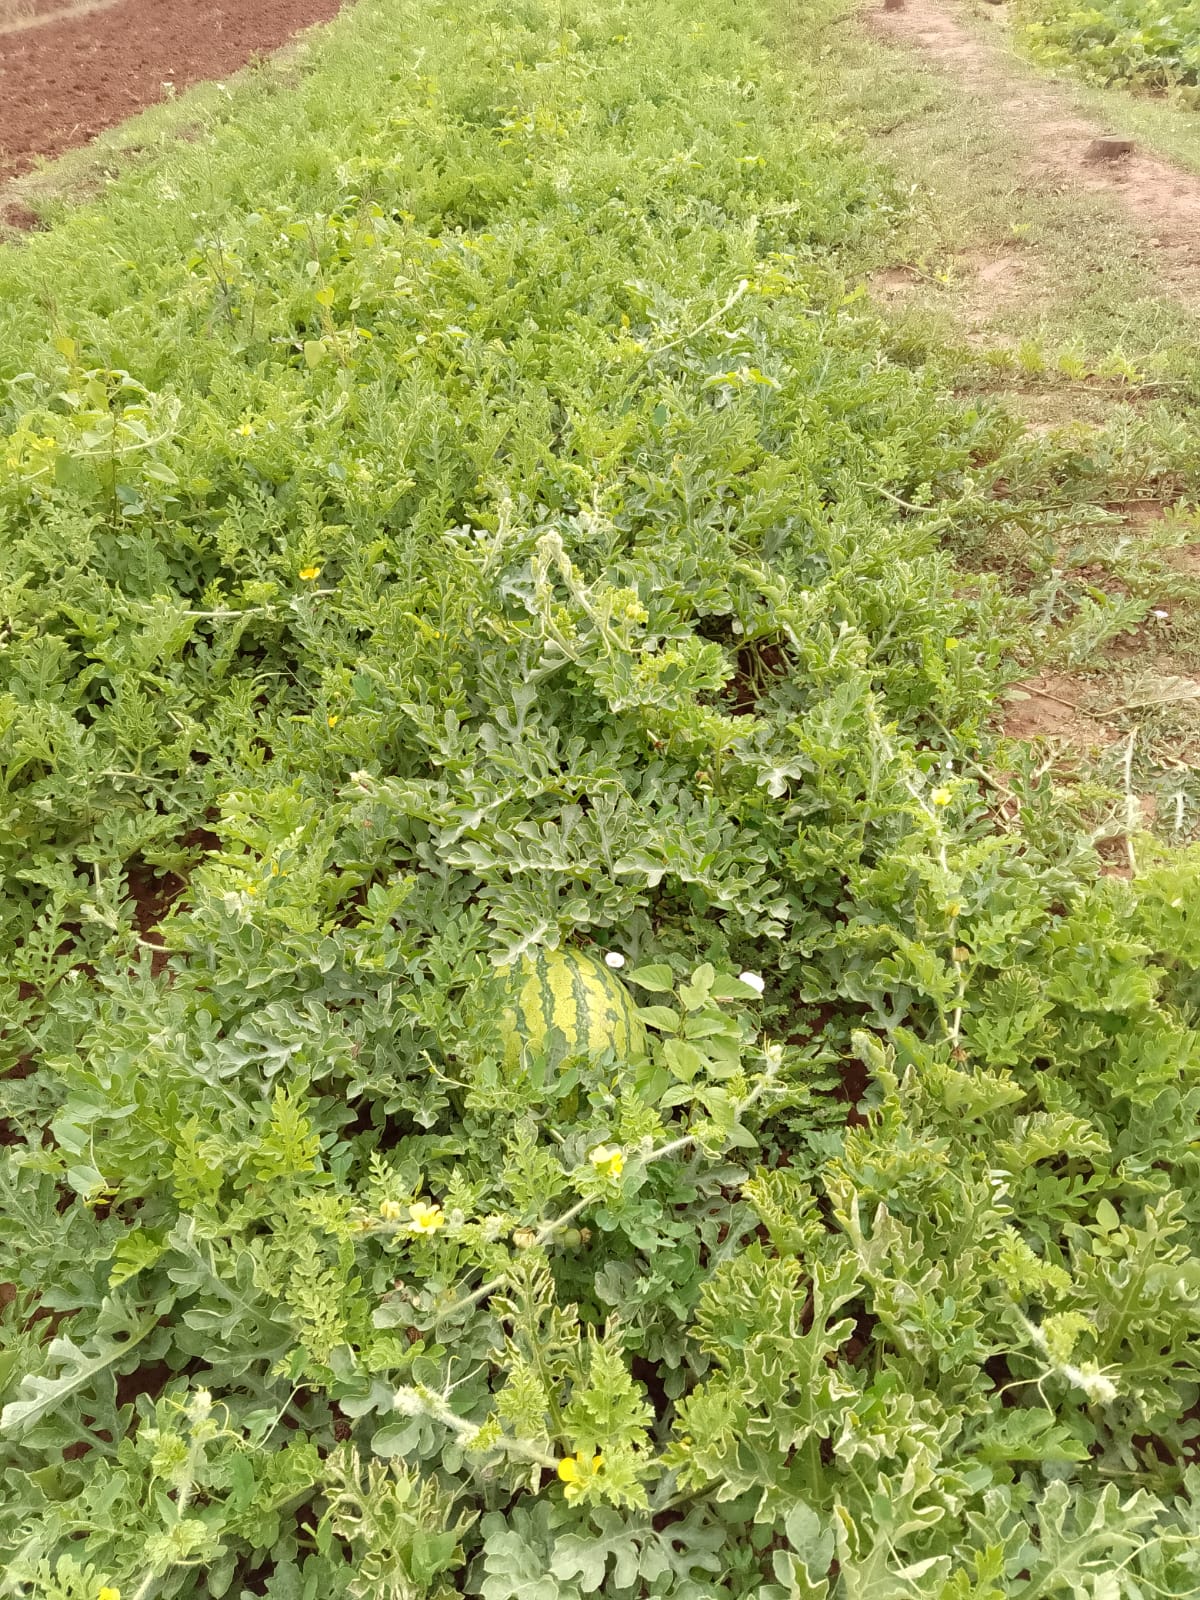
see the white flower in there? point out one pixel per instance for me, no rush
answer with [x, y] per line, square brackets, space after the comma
[1162, 615]
[752, 981]
[614, 958]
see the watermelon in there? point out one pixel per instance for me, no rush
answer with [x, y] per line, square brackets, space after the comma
[578, 995]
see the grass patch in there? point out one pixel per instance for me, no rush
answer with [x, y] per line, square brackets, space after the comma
[1054, 305]
[466, 504]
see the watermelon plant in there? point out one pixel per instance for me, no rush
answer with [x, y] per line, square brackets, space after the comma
[1151, 47]
[460, 524]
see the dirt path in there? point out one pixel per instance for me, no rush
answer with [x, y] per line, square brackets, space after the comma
[1064, 262]
[67, 79]
[1061, 144]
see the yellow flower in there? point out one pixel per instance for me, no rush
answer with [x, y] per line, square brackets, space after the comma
[109, 1593]
[309, 573]
[577, 1471]
[941, 797]
[609, 1162]
[391, 1210]
[332, 719]
[951, 644]
[424, 1218]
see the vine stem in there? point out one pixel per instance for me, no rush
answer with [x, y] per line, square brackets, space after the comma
[1131, 808]
[153, 1576]
[908, 505]
[955, 1026]
[701, 327]
[556, 1224]
[203, 1430]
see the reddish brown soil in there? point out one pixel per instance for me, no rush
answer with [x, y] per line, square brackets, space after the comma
[1048, 708]
[64, 81]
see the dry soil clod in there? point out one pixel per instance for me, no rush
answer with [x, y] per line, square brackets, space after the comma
[1109, 147]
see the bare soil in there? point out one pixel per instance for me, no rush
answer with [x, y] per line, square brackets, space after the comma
[1062, 145]
[1046, 708]
[67, 72]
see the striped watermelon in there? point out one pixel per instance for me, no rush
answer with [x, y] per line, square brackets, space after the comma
[575, 993]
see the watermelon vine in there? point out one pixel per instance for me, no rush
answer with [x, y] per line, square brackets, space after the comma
[461, 520]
